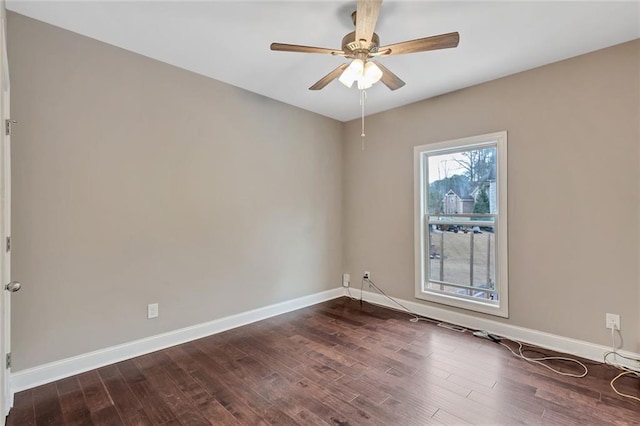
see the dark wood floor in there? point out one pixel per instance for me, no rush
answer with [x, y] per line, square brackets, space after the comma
[334, 363]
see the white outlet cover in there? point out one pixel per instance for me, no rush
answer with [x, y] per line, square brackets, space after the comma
[612, 320]
[152, 310]
[346, 279]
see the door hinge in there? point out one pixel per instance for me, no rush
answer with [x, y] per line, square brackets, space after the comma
[8, 246]
[7, 126]
[9, 360]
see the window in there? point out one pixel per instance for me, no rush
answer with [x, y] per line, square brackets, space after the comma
[461, 223]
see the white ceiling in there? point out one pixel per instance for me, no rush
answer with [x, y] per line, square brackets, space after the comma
[229, 41]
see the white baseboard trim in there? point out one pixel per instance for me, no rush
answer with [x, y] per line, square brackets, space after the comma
[29, 378]
[541, 339]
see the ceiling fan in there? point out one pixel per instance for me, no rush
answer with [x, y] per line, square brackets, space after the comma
[363, 45]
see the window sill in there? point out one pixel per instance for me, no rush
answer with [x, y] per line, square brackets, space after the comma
[469, 305]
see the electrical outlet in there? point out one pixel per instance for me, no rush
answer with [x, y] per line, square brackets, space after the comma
[612, 321]
[346, 279]
[152, 310]
[367, 275]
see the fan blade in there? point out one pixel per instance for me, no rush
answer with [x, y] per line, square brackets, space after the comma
[389, 79]
[442, 41]
[329, 77]
[366, 18]
[282, 47]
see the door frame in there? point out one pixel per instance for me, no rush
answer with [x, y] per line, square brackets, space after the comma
[6, 395]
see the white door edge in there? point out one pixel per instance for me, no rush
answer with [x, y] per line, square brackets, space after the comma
[6, 395]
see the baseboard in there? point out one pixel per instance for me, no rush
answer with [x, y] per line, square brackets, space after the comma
[29, 378]
[541, 339]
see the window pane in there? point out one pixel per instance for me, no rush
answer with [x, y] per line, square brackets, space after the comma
[463, 182]
[461, 255]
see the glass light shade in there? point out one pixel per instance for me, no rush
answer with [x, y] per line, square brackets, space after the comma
[346, 78]
[364, 83]
[371, 74]
[352, 73]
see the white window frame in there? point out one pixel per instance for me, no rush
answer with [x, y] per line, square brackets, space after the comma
[421, 197]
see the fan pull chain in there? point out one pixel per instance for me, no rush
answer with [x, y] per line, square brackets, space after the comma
[363, 98]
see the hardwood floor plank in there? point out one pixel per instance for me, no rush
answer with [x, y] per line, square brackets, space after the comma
[47, 405]
[414, 413]
[295, 371]
[263, 351]
[464, 369]
[345, 319]
[431, 344]
[233, 404]
[98, 400]
[269, 352]
[123, 398]
[330, 386]
[298, 400]
[72, 402]
[338, 361]
[138, 419]
[513, 397]
[155, 408]
[378, 411]
[292, 395]
[364, 389]
[355, 415]
[376, 361]
[555, 418]
[415, 396]
[206, 373]
[435, 382]
[225, 355]
[208, 407]
[181, 367]
[107, 416]
[444, 418]
[69, 384]
[237, 388]
[94, 392]
[23, 412]
[529, 413]
[306, 417]
[586, 405]
[166, 390]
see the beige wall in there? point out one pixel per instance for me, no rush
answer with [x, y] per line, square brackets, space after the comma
[574, 198]
[137, 182]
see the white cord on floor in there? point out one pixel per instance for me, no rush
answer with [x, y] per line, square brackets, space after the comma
[415, 316]
[350, 296]
[547, 358]
[625, 371]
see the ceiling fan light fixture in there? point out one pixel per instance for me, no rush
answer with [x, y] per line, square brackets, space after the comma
[364, 84]
[366, 74]
[371, 73]
[347, 79]
[352, 73]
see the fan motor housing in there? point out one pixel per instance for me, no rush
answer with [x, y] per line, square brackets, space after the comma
[350, 44]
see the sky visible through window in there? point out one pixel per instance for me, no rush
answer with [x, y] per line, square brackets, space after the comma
[444, 166]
